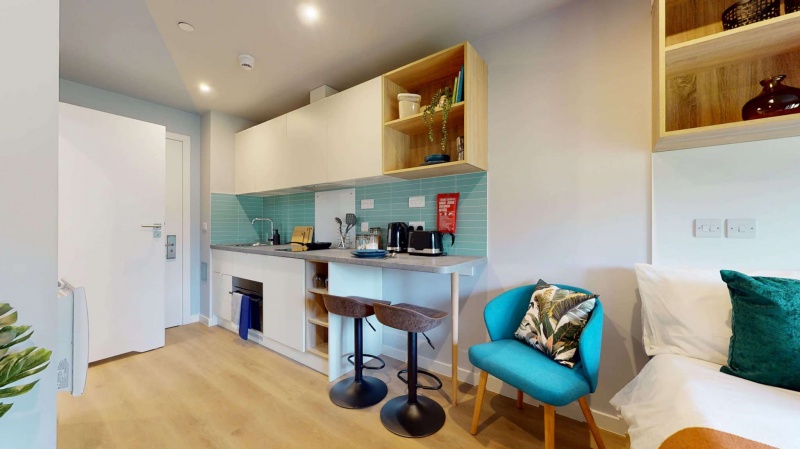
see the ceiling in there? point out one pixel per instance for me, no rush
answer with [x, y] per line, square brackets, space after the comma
[134, 47]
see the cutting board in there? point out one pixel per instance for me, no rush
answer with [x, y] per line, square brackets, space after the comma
[302, 234]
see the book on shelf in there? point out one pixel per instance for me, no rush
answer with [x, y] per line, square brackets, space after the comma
[455, 88]
[460, 88]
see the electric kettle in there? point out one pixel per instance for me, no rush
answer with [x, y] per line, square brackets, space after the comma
[397, 238]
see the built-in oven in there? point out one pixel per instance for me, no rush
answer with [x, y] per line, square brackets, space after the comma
[255, 291]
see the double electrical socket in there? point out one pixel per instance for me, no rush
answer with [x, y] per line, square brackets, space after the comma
[735, 228]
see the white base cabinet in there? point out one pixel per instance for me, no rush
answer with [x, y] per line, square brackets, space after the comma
[284, 317]
[221, 295]
[284, 301]
[284, 321]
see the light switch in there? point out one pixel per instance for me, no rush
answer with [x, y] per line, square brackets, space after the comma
[364, 226]
[741, 228]
[708, 228]
[367, 204]
[416, 201]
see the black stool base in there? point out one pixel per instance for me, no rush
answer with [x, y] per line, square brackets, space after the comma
[351, 394]
[421, 419]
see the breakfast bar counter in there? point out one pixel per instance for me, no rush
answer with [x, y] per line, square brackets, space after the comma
[455, 266]
[440, 265]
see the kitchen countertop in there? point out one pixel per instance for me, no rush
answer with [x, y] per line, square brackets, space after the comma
[440, 265]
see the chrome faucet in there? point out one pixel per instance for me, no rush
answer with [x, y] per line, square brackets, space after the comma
[271, 227]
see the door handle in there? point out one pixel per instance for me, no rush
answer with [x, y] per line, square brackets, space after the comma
[156, 227]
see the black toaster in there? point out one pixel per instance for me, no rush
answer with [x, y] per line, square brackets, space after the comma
[425, 243]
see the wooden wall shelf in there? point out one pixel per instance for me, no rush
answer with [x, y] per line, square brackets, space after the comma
[755, 41]
[703, 75]
[406, 143]
[416, 125]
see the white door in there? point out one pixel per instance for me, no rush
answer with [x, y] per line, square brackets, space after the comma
[110, 184]
[173, 226]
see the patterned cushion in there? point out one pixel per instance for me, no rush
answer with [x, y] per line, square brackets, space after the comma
[554, 322]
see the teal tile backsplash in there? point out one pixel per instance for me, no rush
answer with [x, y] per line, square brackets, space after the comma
[288, 211]
[231, 215]
[391, 204]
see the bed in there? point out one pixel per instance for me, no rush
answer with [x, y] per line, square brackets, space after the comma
[680, 399]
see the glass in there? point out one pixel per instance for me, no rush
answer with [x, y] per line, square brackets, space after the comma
[362, 241]
[376, 234]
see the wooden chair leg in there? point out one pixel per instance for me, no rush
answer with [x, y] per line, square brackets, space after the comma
[587, 413]
[549, 427]
[519, 399]
[479, 402]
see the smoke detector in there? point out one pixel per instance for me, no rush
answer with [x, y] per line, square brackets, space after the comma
[246, 61]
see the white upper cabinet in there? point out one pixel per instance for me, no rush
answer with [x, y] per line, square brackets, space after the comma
[307, 143]
[335, 139]
[354, 133]
[259, 157]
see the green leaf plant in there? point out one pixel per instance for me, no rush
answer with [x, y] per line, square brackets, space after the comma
[17, 365]
[443, 96]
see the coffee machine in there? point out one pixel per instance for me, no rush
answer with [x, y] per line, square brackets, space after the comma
[397, 238]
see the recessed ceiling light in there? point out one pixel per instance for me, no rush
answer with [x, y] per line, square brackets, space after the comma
[205, 87]
[308, 13]
[185, 26]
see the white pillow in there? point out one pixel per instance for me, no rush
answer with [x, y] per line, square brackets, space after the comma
[688, 312]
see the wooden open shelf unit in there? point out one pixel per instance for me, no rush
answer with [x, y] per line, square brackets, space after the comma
[405, 141]
[703, 75]
[316, 313]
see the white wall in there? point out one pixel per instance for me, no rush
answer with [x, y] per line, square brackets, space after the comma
[176, 121]
[758, 180]
[569, 184]
[29, 201]
[218, 132]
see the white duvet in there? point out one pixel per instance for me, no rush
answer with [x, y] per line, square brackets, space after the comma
[674, 392]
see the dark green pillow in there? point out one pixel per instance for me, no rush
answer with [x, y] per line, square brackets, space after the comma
[765, 346]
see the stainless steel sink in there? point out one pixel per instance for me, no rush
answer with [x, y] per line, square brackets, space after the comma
[242, 245]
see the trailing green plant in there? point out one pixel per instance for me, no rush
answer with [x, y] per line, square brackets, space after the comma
[445, 96]
[18, 365]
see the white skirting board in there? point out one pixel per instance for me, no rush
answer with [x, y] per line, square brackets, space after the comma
[611, 423]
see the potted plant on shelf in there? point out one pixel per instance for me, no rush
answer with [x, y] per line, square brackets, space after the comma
[442, 99]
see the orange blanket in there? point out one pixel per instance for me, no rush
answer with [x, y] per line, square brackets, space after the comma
[701, 437]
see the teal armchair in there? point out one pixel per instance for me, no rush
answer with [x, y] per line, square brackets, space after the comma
[532, 372]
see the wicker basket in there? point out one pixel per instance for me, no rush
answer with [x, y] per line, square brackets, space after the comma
[745, 12]
[792, 6]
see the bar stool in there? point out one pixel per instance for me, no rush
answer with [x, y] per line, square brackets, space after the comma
[358, 391]
[412, 416]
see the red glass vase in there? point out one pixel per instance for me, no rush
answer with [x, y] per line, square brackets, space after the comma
[774, 100]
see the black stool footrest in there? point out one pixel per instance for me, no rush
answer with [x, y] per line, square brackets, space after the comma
[352, 357]
[425, 373]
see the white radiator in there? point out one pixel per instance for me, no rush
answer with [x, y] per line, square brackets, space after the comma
[71, 356]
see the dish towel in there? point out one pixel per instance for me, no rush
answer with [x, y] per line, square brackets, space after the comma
[244, 317]
[236, 308]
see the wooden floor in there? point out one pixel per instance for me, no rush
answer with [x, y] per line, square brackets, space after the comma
[208, 389]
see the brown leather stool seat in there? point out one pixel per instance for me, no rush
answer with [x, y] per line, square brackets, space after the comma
[358, 391]
[411, 415]
[351, 306]
[409, 317]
